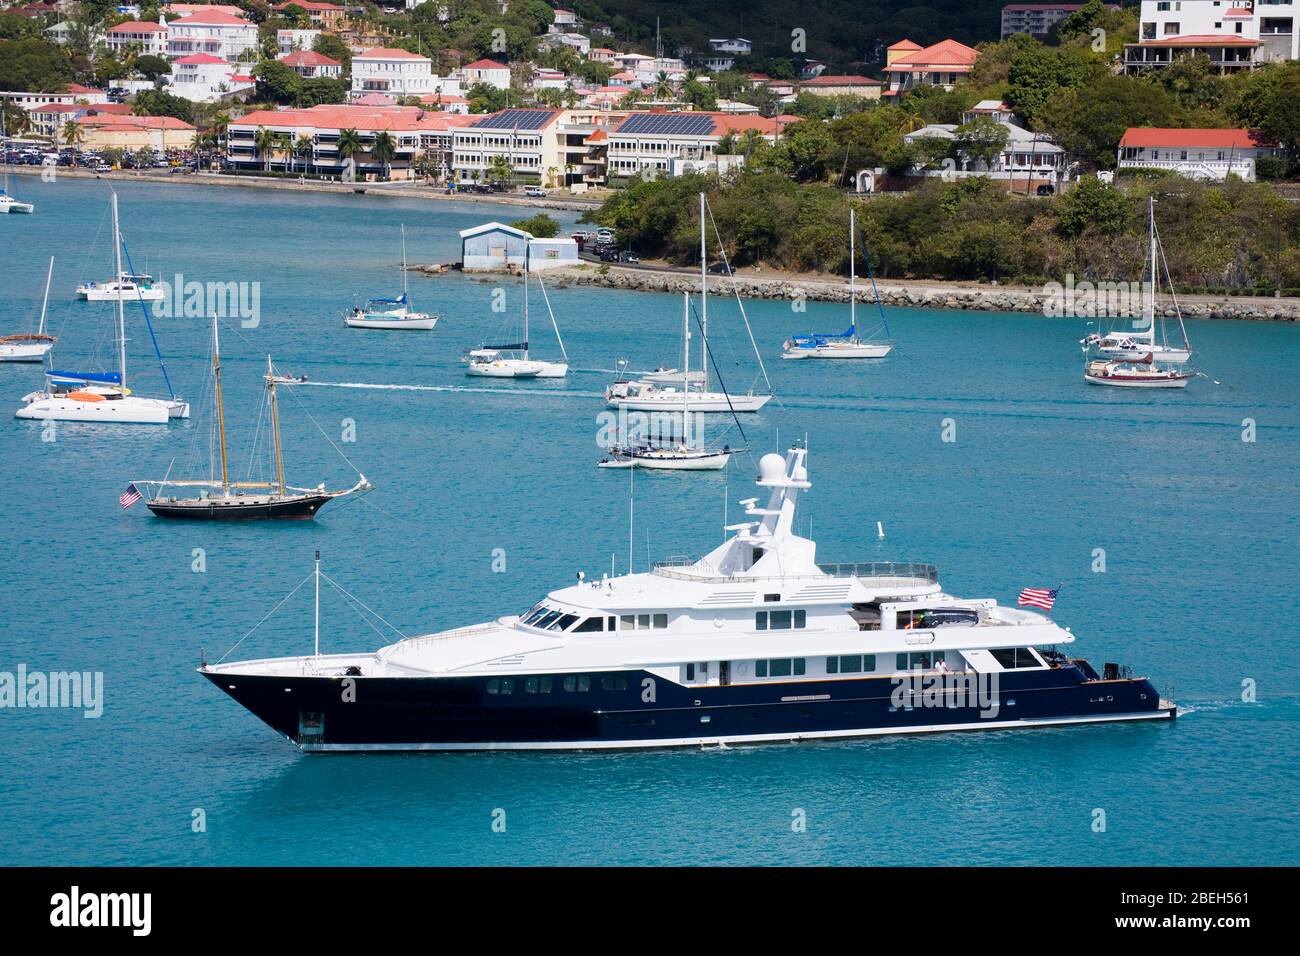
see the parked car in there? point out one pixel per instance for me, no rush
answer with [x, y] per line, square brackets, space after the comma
[609, 255]
[537, 191]
[721, 269]
[629, 256]
[604, 235]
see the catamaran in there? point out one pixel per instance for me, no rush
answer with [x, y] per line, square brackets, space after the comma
[8, 204]
[103, 396]
[512, 360]
[1140, 345]
[132, 286]
[228, 500]
[754, 642]
[391, 313]
[648, 395]
[679, 450]
[32, 347]
[846, 344]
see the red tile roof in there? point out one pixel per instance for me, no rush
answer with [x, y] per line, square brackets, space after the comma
[904, 45]
[831, 80]
[307, 5]
[1193, 138]
[388, 53]
[356, 116]
[138, 26]
[197, 58]
[308, 58]
[485, 65]
[212, 17]
[945, 54]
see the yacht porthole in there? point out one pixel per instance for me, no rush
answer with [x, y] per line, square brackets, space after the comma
[705, 719]
[717, 622]
[744, 669]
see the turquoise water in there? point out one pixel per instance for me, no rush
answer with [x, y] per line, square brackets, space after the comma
[1199, 530]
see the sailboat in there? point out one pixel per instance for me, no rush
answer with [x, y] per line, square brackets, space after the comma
[647, 395]
[33, 346]
[1133, 345]
[846, 344]
[392, 313]
[102, 396]
[512, 360]
[228, 500]
[132, 286]
[677, 451]
[1131, 359]
[8, 204]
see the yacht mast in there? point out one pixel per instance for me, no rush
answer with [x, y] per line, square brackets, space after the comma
[404, 295]
[46, 301]
[317, 628]
[1151, 305]
[686, 369]
[704, 302]
[221, 410]
[121, 307]
[527, 252]
[853, 274]
[275, 422]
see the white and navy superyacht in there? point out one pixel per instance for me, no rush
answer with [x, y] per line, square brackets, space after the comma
[755, 642]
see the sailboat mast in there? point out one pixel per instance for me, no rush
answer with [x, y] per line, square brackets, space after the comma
[275, 423]
[527, 262]
[49, 274]
[404, 295]
[121, 306]
[853, 272]
[704, 302]
[1151, 306]
[686, 369]
[221, 410]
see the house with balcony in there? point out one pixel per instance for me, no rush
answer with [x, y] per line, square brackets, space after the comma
[48, 119]
[141, 35]
[1234, 36]
[909, 65]
[204, 78]
[1210, 154]
[324, 16]
[212, 32]
[1027, 162]
[646, 144]
[485, 71]
[392, 72]
[310, 65]
[551, 147]
[289, 41]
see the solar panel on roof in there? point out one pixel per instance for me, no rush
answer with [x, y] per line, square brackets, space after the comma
[516, 119]
[670, 124]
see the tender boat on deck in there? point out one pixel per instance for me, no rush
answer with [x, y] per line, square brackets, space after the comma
[754, 642]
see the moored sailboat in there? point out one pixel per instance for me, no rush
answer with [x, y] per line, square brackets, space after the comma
[391, 313]
[31, 347]
[513, 359]
[229, 500]
[8, 204]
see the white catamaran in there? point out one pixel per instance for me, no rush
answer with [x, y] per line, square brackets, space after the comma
[392, 313]
[846, 344]
[513, 360]
[646, 395]
[32, 347]
[102, 396]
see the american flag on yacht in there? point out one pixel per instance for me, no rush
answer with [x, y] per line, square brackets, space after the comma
[129, 497]
[1038, 597]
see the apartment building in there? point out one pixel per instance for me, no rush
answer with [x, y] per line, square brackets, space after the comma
[1037, 19]
[213, 32]
[1233, 34]
[142, 35]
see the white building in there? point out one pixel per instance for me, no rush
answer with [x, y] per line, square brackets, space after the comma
[1233, 35]
[647, 144]
[212, 32]
[287, 41]
[205, 78]
[553, 253]
[565, 20]
[544, 79]
[493, 246]
[143, 35]
[489, 72]
[393, 72]
[1028, 158]
[312, 65]
[1195, 153]
[577, 41]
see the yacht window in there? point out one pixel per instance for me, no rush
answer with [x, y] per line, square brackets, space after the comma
[760, 668]
[570, 684]
[1013, 657]
[760, 620]
[610, 622]
[627, 622]
[530, 685]
[613, 683]
[562, 622]
[643, 620]
[690, 672]
[846, 664]
[900, 662]
[546, 683]
[772, 598]
[543, 622]
[661, 620]
[536, 615]
[782, 667]
[494, 686]
[780, 620]
[584, 684]
[800, 619]
[590, 624]
[507, 685]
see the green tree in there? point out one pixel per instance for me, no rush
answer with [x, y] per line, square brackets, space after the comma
[264, 141]
[349, 144]
[811, 146]
[982, 139]
[31, 64]
[276, 82]
[540, 226]
[1038, 72]
[73, 135]
[1092, 204]
[383, 150]
[162, 103]
[151, 67]
[330, 45]
[1089, 122]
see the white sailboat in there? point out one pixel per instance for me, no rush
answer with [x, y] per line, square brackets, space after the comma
[1133, 359]
[846, 344]
[513, 360]
[138, 286]
[31, 347]
[392, 313]
[646, 395]
[8, 204]
[679, 451]
[101, 397]
[1134, 345]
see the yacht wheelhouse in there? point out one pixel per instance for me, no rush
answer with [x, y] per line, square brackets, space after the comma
[755, 642]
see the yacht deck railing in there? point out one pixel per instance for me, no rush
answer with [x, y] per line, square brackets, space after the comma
[883, 573]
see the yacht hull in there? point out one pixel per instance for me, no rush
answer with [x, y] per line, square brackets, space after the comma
[129, 410]
[1171, 356]
[1122, 381]
[110, 295]
[673, 403]
[669, 461]
[24, 353]
[424, 323]
[508, 368]
[293, 508]
[461, 713]
[863, 351]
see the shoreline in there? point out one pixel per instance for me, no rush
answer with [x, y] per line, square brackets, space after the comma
[401, 190]
[907, 293]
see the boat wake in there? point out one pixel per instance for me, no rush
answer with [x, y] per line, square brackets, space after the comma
[468, 389]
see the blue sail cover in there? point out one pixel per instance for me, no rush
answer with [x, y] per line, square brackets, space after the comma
[399, 300]
[84, 378]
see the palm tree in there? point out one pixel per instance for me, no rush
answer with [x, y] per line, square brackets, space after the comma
[284, 146]
[264, 140]
[302, 148]
[74, 136]
[349, 144]
[663, 86]
[383, 149]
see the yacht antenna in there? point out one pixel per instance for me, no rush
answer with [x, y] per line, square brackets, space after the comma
[631, 504]
[317, 576]
[704, 303]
